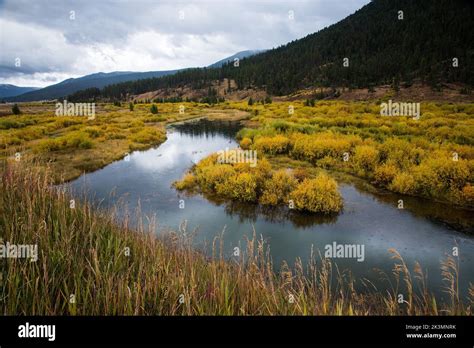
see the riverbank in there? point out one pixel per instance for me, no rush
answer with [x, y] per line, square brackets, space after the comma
[73, 145]
[92, 263]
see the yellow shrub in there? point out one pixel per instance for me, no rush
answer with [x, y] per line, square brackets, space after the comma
[245, 143]
[277, 189]
[384, 174]
[187, 182]
[319, 195]
[300, 174]
[365, 158]
[403, 183]
[214, 174]
[272, 145]
[317, 146]
[242, 187]
[147, 136]
[468, 194]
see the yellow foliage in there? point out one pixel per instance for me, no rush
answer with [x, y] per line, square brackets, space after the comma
[187, 182]
[319, 195]
[384, 174]
[403, 183]
[245, 143]
[272, 145]
[365, 158]
[277, 189]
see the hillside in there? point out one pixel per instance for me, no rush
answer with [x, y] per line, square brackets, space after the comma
[380, 47]
[100, 80]
[7, 90]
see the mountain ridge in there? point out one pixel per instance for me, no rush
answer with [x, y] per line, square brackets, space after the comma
[101, 79]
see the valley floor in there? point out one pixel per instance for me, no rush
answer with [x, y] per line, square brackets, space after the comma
[92, 263]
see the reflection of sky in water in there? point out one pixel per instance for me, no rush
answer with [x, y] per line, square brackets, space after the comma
[366, 220]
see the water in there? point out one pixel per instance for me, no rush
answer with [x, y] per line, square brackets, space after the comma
[371, 219]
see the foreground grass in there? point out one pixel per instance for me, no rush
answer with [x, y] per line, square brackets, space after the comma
[83, 256]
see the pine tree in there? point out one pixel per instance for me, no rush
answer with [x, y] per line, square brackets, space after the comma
[16, 110]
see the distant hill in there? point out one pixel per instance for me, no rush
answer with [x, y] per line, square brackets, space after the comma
[379, 45]
[12, 90]
[99, 80]
[239, 55]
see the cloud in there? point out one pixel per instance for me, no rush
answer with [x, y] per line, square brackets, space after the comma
[56, 39]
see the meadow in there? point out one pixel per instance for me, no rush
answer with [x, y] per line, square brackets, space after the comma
[430, 157]
[72, 145]
[91, 262]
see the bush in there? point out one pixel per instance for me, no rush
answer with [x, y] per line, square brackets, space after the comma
[319, 195]
[403, 183]
[277, 189]
[365, 159]
[16, 110]
[300, 174]
[468, 194]
[243, 187]
[273, 145]
[186, 183]
[245, 143]
[384, 174]
[147, 136]
[154, 109]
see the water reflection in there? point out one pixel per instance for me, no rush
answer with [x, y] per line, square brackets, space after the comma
[251, 212]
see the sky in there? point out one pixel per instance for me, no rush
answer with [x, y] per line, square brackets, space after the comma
[43, 42]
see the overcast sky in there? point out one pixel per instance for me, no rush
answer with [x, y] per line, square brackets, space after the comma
[57, 39]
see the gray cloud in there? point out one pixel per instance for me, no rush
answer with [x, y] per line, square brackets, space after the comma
[54, 43]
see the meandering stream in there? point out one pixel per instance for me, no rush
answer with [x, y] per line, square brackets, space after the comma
[368, 219]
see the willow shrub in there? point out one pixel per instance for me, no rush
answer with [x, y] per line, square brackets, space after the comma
[260, 184]
[317, 195]
[278, 188]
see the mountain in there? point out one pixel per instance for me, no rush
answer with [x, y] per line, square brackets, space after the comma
[240, 55]
[99, 80]
[379, 45]
[12, 90]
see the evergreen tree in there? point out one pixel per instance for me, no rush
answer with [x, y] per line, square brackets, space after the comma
[16, 110]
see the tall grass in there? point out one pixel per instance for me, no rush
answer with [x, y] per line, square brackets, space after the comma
[83, 256]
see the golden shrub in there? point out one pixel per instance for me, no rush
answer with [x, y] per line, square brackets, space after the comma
[365, 158]
[272, 145]
[403, 183]
[187, 182]
[277, 189]
[242, 187]
[318, 195]
[468, 194]
[300, 174]
[212, 175]
[245, 143]
[384, 174]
